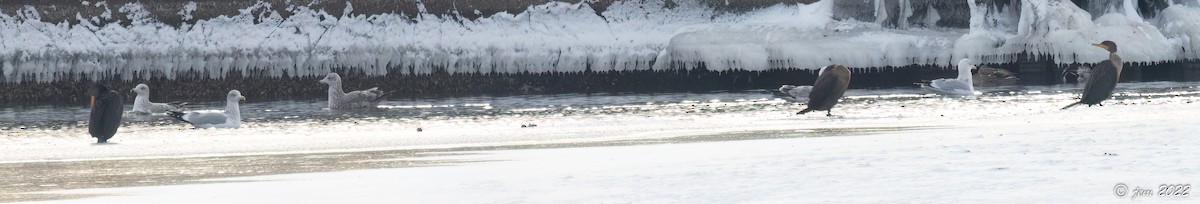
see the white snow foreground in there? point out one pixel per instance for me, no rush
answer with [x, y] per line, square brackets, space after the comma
[1075, 156]
[562, 37]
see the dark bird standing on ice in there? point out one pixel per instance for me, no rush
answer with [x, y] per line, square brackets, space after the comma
[831, 84]
[1103, 78]
[107, 108]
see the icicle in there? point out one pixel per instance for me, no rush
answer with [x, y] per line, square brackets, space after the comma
[881, 14]
[1131, 11]
[932, 17]
[978, 17]
[906, 11]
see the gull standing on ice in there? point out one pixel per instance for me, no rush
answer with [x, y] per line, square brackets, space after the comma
[961, 86]
[142, 104]
[106, 113]
[796, 93]
[830, 86]
[356, 99]
[1103, 77]
[230, 118]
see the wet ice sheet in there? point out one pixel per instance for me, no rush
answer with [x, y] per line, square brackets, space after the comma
[1072, 156]
[277, 127]
[24, 179]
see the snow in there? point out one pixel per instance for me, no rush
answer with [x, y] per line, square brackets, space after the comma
[187, 10]
[1055, 29]
[1074, 156]
[551, 37]
[565, 37]
[1176, 24]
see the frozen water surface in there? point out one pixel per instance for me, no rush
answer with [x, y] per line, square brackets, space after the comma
[33, 133]
[745, 138]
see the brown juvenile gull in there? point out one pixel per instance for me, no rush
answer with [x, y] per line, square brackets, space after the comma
[339, 100]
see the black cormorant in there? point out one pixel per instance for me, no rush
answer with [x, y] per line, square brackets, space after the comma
[831, 84]
[1103, 78]
[107, 107]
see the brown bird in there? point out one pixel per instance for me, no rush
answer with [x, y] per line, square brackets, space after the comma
[831, 84]
[1103, 78]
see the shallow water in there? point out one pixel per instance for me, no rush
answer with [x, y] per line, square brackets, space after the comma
[661, 104]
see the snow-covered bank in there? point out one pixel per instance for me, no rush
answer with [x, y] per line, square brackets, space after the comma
[564, 37]
[555, 36]
[1074, 156]
[1053, 30]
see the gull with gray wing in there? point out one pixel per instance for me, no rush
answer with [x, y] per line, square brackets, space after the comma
[961, 86]
[231, 117]
[339, 100]
[142, 104]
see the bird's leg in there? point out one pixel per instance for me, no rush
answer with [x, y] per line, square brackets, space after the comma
[829, 113]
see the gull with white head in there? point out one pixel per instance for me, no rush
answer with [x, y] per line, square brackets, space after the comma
[231, 117]
[142, 104]
[961, 86]
[795, 93]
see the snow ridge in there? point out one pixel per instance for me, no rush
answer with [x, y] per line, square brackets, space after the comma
[565, 37]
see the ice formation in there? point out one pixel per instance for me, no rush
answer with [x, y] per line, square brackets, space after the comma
[1044, 29]
[565, 37]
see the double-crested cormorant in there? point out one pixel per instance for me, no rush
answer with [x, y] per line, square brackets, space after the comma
[142, 104]
[961, 86]
[356, 99]
[231, 117]
[1103, 78]
[107, 107]
[831, 84]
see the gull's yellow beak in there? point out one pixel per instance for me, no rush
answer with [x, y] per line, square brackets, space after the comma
[92, 103]
[242, 98]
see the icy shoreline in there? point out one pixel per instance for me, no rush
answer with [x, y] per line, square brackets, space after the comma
[561, 37]
[1055, 156]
